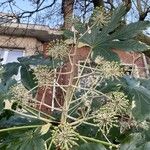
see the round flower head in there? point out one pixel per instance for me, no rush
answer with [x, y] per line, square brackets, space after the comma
[101, 17]
[118, 102]
[105, 119]
[44, 75]
[109, 70]
[20, 93]
[58, 49]
[64, 137]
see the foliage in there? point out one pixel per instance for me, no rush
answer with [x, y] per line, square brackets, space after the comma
[112, 108]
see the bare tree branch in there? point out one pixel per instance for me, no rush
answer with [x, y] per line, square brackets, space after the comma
[38, 9]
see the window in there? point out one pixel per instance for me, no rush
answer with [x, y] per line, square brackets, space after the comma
[10, 55]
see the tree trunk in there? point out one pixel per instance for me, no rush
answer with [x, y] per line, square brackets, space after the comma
[128, 4]
[98, 3]
[67, 11]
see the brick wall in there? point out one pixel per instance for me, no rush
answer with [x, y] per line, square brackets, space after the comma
[63, 76]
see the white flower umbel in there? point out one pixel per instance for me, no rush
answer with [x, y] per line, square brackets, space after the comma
[20, 94]
[44, 75]
[101, 17]
[64, 137]
[58, 49]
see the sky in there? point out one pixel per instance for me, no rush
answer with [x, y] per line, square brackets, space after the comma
[54, 19]
[19, 6]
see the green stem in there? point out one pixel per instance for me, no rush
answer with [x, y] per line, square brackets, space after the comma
[50, 145]
[80, 137]
[99, 141]
[19, 128]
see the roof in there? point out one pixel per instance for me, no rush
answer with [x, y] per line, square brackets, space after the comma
[40, 32]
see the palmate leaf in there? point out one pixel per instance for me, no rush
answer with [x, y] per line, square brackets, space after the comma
[24, 141]
[115, 20]
[140, 97]
[105, 52]
[131, 30]
[10, 70]
[114, 36]
[134, 142]
[28, 144]
[91, 38]
[110, 85]
[91, 146]
[27, 77]
[128, 45]
[40, 60]
[4, 88]
[97, 36]
[36, 143]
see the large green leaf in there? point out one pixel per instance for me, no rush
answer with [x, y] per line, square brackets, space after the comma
[145, 83]
[128, 45]
[40, 60]
[140, 99]
[131, 30]
[10, 70]
[110, 85]
[68, 34]
[91, 146]
[4, 88]
[105, 53]
[36, 143]
[91, 38]
[27, 77]
[24, 141]
[115, 19]
[133, 142]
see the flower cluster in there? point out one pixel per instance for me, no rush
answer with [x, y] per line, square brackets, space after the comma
[107, 116]
[64, 137]
[20, 93]
[118, 102]
[58, 49]
[44, 75]
[101, 17]
[105, 119]
[109, 70]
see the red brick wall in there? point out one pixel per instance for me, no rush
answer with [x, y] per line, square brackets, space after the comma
[64, 75]
[133, 58]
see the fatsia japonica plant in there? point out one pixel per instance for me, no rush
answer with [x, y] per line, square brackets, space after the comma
[97, 108]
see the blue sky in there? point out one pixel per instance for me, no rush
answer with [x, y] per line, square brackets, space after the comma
[19, 6]
[54, 20]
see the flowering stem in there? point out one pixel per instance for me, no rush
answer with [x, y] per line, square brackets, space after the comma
[70, 89]
[50, 145]
[99, 141]
[19, 128]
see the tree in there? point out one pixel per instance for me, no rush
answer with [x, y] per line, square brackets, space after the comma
[67, 11]
[110, 112]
